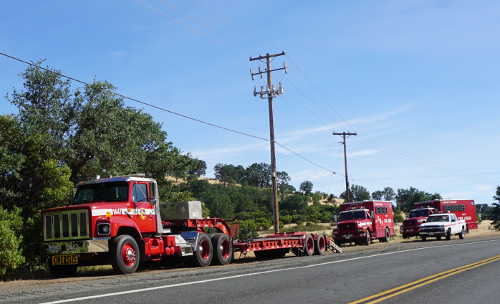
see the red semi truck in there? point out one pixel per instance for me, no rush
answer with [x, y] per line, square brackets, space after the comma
[362, 222]
[118, 221]
[463, 209]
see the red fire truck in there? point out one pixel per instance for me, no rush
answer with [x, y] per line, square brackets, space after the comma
[361, 222]
[416, 217]
[463, 209]
[118, 221]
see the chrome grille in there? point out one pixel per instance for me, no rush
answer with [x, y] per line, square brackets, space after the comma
[65, 225]
[346, 226]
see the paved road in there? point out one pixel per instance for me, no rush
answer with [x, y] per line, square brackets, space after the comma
[327, 279]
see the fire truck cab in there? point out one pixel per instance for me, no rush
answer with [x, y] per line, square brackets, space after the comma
[362, 222]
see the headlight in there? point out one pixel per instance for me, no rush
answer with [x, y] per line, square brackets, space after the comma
[103, 229]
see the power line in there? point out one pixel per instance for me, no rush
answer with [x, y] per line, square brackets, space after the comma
[214, 125]
[312, 84]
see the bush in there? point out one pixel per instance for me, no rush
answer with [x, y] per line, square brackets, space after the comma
[248, 230]
[10, 240]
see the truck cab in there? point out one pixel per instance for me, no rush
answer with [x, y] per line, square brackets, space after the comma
[415, 218]
[361, 222]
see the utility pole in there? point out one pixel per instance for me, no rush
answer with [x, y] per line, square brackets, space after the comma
[269, 92]
[344, 134]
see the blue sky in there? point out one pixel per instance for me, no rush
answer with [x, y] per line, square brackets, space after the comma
[418, 80]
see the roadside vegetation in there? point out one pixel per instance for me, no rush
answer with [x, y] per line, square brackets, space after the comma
[63, 134]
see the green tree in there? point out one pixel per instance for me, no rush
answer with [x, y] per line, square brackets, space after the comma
[407, 197]
[378, 195]
[259, 175]
[92, 131]
[495, 213]
[357, 193]
[10, 240]
[389, 194]
[306, 187]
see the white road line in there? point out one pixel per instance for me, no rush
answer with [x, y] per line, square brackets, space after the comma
[256, 273]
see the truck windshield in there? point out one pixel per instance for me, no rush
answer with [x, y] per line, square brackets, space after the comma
[352, 215]
[102, 192]
[438, 218]
[419, 213]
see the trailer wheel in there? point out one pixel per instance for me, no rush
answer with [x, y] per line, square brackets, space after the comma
[126, 255]
[62, 271]
[320, 245]
[308, 245]
[448, 234]
[203, 251]
[461, 234]
[223, 249]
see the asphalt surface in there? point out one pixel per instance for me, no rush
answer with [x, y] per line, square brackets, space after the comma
[336, 278]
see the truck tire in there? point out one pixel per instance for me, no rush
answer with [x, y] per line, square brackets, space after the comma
[320, 245]
[204, 253]
[461, 234]
[438, 238]
[368, 239]
[387, 236]
[62, 271]
[448, 234]
[308, 245]
[424, 238]
[125, 253]
[223, 249]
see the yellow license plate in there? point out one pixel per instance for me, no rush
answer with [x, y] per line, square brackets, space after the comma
[64, 259]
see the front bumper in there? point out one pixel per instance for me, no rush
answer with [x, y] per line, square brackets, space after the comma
[409, 231]
[99, 245]
[432, 232]
[349, 236]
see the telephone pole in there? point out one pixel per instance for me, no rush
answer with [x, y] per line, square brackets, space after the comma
[269, 92]
[344, 134]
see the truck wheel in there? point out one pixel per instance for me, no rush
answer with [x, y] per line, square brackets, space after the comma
[448, 235]
[368, 238]
[308, 245]
[424, 238]
[126, 255]
[203, 251]
[438, 238]
[320, 245]
[461, 234]
[387, 235]
[223, 249]
[62, 271]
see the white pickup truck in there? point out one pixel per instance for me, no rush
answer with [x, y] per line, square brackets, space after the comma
[442, 224]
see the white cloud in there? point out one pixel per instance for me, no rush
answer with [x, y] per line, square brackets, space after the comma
[484, 188]
[298, 134]
[309, 174]
[220, 152]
